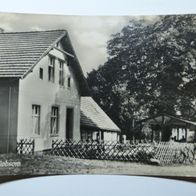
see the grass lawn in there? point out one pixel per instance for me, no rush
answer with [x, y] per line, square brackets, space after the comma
[46, 165]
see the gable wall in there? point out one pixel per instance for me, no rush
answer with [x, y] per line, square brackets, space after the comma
[33, 90]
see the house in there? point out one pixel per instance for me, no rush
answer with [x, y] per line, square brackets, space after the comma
[165, 127]
[95, 123]
[41, 83]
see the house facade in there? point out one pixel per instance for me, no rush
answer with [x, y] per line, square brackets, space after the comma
[41, 83]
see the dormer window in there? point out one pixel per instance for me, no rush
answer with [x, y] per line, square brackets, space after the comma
[51, 69]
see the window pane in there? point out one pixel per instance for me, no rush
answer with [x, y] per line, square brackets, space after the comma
[54, 120]
[36, 118]
[61, 73]
[69, 82]
[51, 69]
[40, 73]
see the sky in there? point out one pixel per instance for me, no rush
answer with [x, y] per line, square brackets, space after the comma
[89, 34]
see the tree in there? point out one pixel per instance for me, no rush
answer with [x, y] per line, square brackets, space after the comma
[151, 69]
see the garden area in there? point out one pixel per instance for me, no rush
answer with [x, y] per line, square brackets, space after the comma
[50, 165]
[71, 157]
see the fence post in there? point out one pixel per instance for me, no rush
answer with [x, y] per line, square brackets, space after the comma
[21, 146]
[52, 150]
[33, 148]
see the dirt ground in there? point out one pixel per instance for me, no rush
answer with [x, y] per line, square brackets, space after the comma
[46, 165]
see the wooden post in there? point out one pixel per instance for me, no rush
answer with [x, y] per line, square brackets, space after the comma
[33, 148]
[186, 133]
[133, 123]
[140, 132]
[21, 146]
[152, 136]
[160, 136]
[177, 134]
[195, 136]
[162, 125]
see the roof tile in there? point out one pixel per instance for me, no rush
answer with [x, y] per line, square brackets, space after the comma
[19, 51]
[93, 116]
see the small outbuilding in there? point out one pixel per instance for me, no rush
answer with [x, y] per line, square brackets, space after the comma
[95, 124]
[165, 127]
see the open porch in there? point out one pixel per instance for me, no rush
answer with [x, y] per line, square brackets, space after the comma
[165, 127]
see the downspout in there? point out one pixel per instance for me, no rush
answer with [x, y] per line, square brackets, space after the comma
[9, 113]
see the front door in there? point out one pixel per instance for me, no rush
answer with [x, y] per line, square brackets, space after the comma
[69, 123]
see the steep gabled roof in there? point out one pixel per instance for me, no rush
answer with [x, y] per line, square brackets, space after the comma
[21, 51]
[94, 117]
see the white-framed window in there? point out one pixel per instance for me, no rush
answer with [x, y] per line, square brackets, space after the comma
[61, 73]
[83, 135]
[86, 135]
[89, 135]
[54, 121]
[36, 111]
[51, 69]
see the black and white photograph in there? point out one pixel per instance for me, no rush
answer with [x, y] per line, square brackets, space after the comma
[98, 94]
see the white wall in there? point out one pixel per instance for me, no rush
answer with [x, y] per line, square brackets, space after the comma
[190, 134]
[33, 90]
[108, 136]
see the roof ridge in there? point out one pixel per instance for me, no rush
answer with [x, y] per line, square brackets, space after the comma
[18, 32]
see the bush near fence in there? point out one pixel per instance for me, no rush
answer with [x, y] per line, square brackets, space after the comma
[163, 152]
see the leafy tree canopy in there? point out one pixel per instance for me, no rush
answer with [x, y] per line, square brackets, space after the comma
[151, 69]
